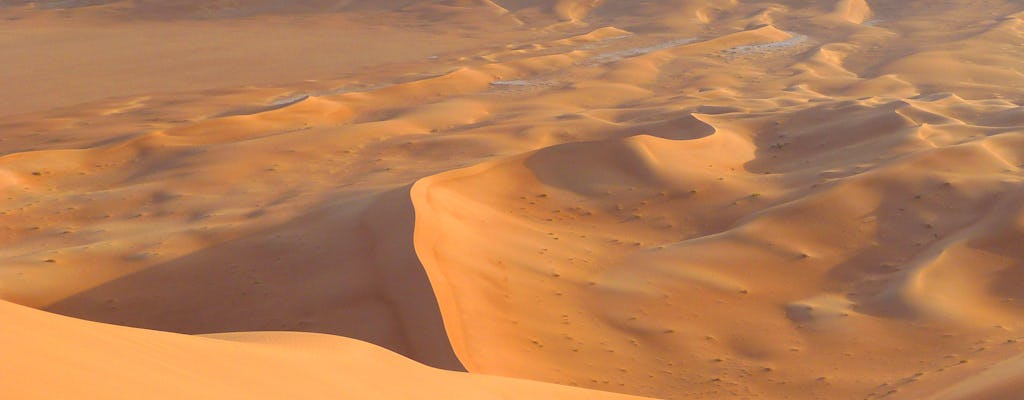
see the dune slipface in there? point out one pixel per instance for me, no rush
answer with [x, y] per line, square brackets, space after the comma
[691, 199]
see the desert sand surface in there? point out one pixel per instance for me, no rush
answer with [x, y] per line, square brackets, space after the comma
[675, 199]
[114, 362]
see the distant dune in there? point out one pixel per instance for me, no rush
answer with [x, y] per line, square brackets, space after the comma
[696, 199]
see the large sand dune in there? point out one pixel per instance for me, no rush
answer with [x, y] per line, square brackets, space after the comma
[694, 199]
[97, 361]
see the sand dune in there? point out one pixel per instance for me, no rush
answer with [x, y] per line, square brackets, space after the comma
[59, 357]
[693, 199]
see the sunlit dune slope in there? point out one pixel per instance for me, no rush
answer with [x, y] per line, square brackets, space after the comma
[60, 357]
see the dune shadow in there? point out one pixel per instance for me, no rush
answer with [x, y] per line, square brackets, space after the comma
[347, 267]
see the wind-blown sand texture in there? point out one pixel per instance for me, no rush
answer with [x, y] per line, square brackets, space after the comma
[688, 199]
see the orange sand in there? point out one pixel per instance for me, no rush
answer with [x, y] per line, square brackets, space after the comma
[690, 199]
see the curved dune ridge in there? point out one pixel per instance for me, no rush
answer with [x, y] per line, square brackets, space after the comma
[695, 199]
[117, 362]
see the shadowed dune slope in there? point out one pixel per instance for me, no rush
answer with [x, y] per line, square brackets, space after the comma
[348, 270]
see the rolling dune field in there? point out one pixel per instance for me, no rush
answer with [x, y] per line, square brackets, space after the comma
[580, 199]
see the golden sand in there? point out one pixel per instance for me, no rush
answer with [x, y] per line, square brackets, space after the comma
[689, 199]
